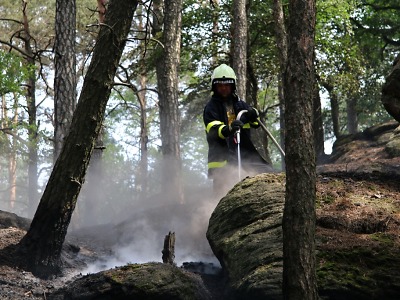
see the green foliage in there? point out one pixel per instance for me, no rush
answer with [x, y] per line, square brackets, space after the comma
[13, 73]
[350, 58]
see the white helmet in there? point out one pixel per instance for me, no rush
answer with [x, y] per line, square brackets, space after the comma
[223, 74]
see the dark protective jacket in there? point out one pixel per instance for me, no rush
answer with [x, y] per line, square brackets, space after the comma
[222, 148]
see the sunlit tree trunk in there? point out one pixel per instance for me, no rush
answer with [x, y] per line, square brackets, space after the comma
[299, 275]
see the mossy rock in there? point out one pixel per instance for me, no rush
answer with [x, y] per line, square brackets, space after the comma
[151, 281]
[393, 145]
[245, 233]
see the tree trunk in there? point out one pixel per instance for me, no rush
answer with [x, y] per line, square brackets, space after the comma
[318, 124]
[352, 116]
[299, 277]
[167, 82]
[13, 158]
[240, 46]
[142, 176]
[43, 242]
[281, 42]
[31, 107]
[214, 37]
[334, 108]
[259, 138]
[391, 91]
[65, 73]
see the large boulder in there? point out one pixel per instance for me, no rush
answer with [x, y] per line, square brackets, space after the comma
[357, 236]
[393, 145]
[245, 234]
[151, 281]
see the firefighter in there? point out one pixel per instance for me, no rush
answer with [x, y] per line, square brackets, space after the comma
[220, 119]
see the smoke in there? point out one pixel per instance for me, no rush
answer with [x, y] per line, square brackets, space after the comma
[135, 229]
[140, 239]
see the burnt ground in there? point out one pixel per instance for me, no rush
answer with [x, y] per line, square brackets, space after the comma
[358, 206]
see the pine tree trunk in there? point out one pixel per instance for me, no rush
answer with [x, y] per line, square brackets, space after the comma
[167, 83]
[142, 175]
[65, 74]
[352, 117]
[31, 107]
[281, 42]
[318, 124]
[299, 276]
[240, 46]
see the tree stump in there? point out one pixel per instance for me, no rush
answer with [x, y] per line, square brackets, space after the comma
[168, 253]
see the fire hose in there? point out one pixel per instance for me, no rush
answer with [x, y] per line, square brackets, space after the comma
[237, 133]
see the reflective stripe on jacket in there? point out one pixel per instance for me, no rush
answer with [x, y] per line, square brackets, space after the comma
[221, 148]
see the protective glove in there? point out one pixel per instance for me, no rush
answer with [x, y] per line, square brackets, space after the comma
[252, 114]
[236, 125]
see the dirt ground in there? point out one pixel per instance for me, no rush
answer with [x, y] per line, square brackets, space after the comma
[357, 196]
[18, 284]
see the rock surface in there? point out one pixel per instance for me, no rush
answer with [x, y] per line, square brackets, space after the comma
[358, 225]
[357, 237]
[156, 281]
[245, 233]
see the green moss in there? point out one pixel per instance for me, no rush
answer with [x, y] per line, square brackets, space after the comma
[325, 199]
[384, 239]
[360, 269]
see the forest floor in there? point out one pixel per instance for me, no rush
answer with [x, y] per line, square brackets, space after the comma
[351, 203]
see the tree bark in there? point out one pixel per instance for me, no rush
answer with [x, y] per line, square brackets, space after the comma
[31, 107]
[142, 175]
[13, 158]
[299, 277]
[391, 91]
[240, 46]
[43, 242]
[167, 82]
[318, 125]
[65, 73]
[352, 117]
[334, 108]
[281, 42]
